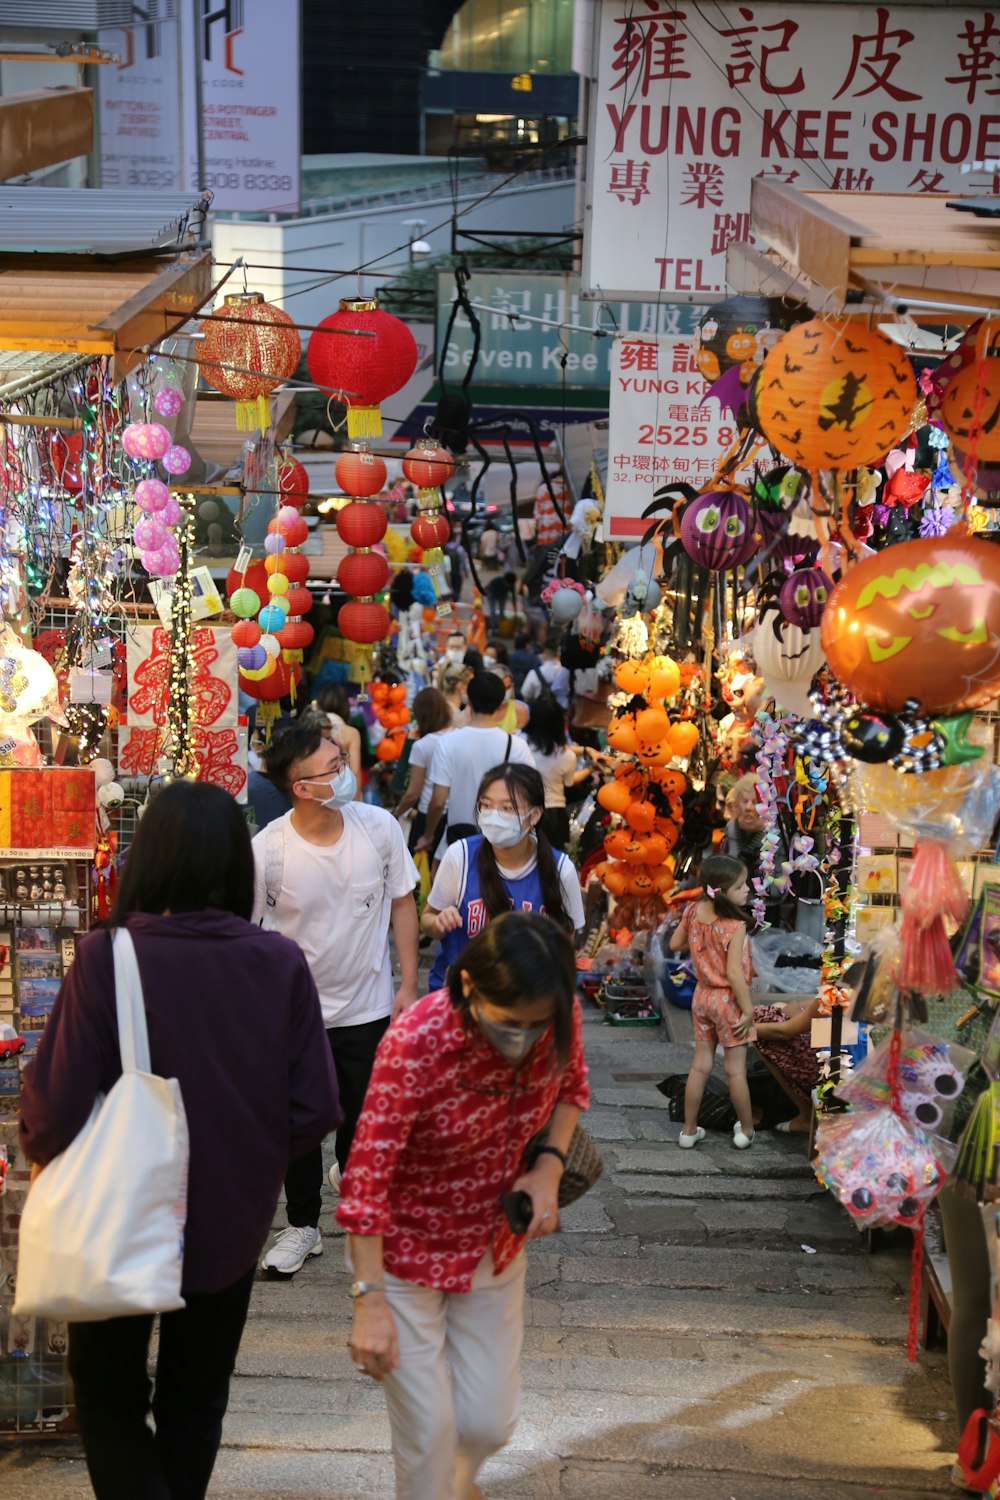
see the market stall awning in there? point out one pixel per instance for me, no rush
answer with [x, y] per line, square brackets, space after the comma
[917, 249]
[98, 221]
[89, 306]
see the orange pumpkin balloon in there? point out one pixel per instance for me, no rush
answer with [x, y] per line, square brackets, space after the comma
[630, 775]
[615, 880]
[617, 842]
[978, 385]
[632, 677]
[621, 735]
[651, 730]
[654, 849]
[683, 738]
[664, 878]
[641, 882]
[834, 395]
[397, 692]
[664, 677]
[919, 620]
[641, 816]
[615, 796]
[389, 748]
[380, 692]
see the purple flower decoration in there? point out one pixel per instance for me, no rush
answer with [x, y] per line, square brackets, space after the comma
[936, 520]
[880, 514]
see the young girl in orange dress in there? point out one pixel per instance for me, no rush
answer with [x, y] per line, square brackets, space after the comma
[716, 930]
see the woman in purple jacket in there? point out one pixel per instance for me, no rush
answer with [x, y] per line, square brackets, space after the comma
[233, 1014]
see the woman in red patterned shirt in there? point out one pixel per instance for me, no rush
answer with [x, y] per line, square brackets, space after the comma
[462, 1082]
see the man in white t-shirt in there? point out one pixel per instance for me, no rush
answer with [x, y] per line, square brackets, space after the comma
[549, 674]
[333, 874]
[462, 758]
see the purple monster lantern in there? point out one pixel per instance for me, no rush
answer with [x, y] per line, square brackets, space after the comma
[717, 530]
[803, 597]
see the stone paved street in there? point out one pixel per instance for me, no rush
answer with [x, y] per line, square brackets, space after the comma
[682, 1343]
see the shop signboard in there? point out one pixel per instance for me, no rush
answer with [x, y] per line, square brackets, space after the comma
[531, 321]
[662, 429]
[690, 104]
[250, 117]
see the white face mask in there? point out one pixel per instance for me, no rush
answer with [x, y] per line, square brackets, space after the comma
[455, 655]
[489, 661]
[501, 829]
[342, 789]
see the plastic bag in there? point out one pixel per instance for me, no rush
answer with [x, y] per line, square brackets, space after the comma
[881, 1169]
[957, 804]
[932, 1077]
[802, 979]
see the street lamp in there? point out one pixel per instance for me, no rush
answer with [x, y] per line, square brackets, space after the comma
[418, 247]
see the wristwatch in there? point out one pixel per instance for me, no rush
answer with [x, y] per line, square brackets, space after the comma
[360, 1288]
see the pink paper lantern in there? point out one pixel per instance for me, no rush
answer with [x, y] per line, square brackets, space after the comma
[177, 460]
[287, 516]
[171, 512]
[168, 402]
[150, 533]
[146, 440]
[151, 494]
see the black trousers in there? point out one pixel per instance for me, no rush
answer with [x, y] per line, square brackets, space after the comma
[126, 1459]
[353, 1049]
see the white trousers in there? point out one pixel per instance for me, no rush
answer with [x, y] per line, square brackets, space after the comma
[456, 1396]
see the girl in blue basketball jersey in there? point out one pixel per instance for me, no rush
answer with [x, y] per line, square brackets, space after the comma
[508, 865]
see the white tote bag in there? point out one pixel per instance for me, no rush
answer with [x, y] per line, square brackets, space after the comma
[102, 1232]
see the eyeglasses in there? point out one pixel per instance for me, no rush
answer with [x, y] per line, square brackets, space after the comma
[324, 775]
[500, 807]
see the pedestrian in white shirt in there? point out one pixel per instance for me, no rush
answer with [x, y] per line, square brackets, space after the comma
[463, 757]
[333, 874]
[432, 716]
[549, 674]
[556, 763]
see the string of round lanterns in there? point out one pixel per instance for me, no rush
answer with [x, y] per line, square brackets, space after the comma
[429, 466]
[362, 524]
[248, 348]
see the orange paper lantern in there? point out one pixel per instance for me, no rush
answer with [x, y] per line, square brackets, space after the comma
[835, 395]
[248, 349]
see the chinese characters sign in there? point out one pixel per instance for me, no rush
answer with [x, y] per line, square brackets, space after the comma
[53, 810]
[662, 430]
[687, 110]
[536, 321]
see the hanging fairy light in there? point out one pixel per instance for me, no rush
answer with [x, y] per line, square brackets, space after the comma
[182, 718]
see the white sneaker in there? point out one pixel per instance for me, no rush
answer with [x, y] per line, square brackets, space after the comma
[334, 1177]
[741, 1141]
[291, 1249]
[687, 1141]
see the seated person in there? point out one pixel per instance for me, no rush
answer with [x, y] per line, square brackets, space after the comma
[783, 1045]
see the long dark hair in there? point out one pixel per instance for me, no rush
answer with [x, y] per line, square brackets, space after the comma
[546, 726]
[191, 851]
[721, 872]
[525, 789]
[516, 959]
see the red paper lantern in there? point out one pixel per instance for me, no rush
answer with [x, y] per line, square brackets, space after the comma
[276, 685]
[293, 532]
[248, 349]
[361, 524]
[363, 370]
[246, 633]
[293, 482]
[363, 620]
[254, 578]
[363, 573]
[430, 531]
[299, 600]
[293, 564]
[360, 472]
[428, 465]
[296, 635]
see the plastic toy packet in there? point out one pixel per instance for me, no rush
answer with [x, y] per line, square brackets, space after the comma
[957, 805]
[882, 1170]
[932, 1076]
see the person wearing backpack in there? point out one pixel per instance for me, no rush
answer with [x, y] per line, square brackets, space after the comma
[233, 1016]
[334, 874]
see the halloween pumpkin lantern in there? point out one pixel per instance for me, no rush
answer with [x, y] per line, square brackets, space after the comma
[717, 530]
[970, 406]
[621, 735]
[834, 395]
[617, 842]
[664, 677]
[803, 597]
[683, 738]
[641, 816]
[615, 878]
[920, 620]
[651, 730]
[633, 677]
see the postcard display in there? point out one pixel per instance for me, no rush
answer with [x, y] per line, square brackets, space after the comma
[47, 841]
